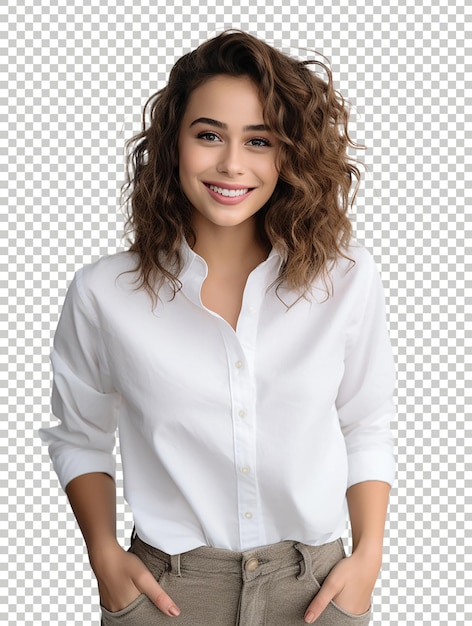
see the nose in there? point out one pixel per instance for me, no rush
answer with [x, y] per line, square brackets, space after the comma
[231, 160]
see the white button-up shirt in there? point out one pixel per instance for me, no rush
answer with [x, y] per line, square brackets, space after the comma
[228, 439]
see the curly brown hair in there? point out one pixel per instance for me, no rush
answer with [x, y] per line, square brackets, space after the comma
[306, 217]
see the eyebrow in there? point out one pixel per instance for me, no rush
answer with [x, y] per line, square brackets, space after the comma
[222, 125]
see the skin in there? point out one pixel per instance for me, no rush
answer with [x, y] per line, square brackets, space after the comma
[351, 582]
[242, 154]
[226, 237]
[121, 576]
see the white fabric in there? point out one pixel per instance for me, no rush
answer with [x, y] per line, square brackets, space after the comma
[228, 439]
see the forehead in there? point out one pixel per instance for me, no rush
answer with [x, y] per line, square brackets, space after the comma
[226, 99]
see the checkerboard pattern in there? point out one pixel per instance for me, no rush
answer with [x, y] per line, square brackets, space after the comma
[75, 78]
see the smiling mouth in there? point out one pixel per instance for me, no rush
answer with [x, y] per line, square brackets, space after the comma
[229, 193]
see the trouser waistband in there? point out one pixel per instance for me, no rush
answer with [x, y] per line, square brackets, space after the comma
[249, 564]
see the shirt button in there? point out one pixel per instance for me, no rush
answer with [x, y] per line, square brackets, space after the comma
[242, 413]
[252, 565]
[252, 309]
[248, 515]
[239, 364]
[245, 469]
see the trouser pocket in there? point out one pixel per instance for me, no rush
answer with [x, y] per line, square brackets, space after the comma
[141, 612]
[334, 615]
[290, 590]
[318, 562]
[205, 598]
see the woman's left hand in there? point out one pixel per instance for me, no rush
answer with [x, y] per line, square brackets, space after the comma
[349, 584]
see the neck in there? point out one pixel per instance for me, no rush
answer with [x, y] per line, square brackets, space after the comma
[227, 247]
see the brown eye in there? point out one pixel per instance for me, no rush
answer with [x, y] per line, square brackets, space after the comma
[212, 137]
[260, 142]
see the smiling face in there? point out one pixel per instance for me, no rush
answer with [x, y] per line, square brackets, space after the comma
[227, 156]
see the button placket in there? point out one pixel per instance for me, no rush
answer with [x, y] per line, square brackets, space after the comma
[243, 387]
[242, 346]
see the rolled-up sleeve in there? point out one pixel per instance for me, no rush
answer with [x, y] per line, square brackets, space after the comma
[83, 398]
[365, 401]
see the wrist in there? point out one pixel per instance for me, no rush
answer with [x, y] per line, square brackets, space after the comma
[370, 554]
[100, 550]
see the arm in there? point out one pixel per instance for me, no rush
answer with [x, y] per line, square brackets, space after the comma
[81, 448]
[351, 582]
[93, 501]
[365, 408]
[121, 575]
[368, 503]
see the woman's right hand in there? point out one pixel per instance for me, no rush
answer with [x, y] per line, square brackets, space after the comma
[122, 577]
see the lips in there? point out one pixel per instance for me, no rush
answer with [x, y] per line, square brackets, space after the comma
[229, 193]
[227, 189]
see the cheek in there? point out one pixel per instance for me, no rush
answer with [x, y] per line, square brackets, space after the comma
[186, 149]
[269, 165]
[185, 165]
[192, 160]
[271, 173]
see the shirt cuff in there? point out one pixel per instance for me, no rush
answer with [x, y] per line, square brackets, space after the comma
[70, 462]
[373, 464]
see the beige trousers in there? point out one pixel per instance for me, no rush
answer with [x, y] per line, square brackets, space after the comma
[268, 586]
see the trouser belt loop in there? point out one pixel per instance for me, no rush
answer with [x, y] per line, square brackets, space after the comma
[175, 565]
[305, 563]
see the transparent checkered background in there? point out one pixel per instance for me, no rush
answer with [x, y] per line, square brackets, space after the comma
[75, 77]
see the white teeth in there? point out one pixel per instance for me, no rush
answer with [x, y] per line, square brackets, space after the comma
[231, 193]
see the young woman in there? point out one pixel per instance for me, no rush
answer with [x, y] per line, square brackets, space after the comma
[240, 346]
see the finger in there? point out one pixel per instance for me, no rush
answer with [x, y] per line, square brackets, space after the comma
[157, 595]
[324, 596]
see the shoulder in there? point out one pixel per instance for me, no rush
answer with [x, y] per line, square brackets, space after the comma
[106, 269]
[356, 257]
[353, 278]
[106, 276]
[356, 265]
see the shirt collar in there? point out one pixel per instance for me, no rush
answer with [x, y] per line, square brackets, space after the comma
[195, 270]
